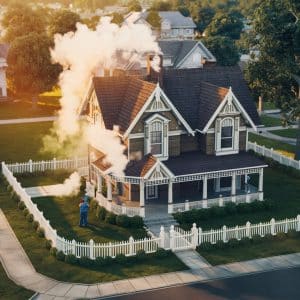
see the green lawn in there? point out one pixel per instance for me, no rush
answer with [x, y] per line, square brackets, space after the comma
[49, 266]
[42, 178]
[289, 132]
[278, 186]
[265, 248]
[63, 214]
[9, 290]
[270, 121]
[269, 105]
[269, 143]
[46, 106]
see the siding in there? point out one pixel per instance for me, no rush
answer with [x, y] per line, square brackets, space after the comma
[242, 140]
[174, 145]
[189, 143]
[210, 143]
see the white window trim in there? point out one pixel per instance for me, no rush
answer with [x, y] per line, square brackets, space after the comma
[155, 187]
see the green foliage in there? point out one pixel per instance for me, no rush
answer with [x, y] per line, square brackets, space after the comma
[94, 204]
[136, 222]
[9, 188]
[26, 212]
[160, 5]
[256, 239]
[206, 246]
[21, 205]
[230, 208]
[71, 259]
[15, 197]
[141, 255]
[60, 256]
[29, 218]
[217, 211]
[35, 225]
[243, 208]
[41, 232]
[203, 16]
[100, 262]
[123, 221]
[53, 251]
[293, 233]
[134, 5]
[232, 243]
[224, 49]
[101, 213]
[82, 184]
[110, 218]
[48, 244]
[184, 11]
[154, 19]
[117, 18]
[121, 259]
[85, 261]
[161, 253]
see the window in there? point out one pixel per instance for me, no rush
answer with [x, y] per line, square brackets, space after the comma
[156, 138]
[227, 134]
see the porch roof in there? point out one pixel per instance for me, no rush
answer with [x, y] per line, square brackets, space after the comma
[197, 162]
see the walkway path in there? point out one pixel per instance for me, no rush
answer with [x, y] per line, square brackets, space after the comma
[19, 269]
[28, 120]
[43, 191]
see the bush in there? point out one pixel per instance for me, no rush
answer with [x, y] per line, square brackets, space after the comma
[29, 218]
[217, 211]
[256, 206]
[109, 260]
[15, 198]
[9, 188]
[71, 259]
[53, 251]
[230, 208]
[203, 214]
[82, 184]
[101, 213]
[244, 241]
[41, 232]
[256, 239]
[35, 225]
[121, 259]
[206, 246]
[93, 204]
[48, 244]
[85, 261]
[141, 255]
[26, 212]
[60, 256]
[100, 261]
[110, 218]
[123, 221]
[243, 208]
[292, 233]
[21, 205]
[161, 253]
[233, 243]
[268, 204]
[281, 236]
[136, 222]
[269, 237]
[220, 245]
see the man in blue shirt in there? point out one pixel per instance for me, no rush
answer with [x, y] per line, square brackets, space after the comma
[84, 209]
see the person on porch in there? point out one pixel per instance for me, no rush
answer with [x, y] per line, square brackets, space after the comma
[83, 209]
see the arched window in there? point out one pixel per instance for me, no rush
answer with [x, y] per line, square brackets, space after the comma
[227, 134]
[156, 138]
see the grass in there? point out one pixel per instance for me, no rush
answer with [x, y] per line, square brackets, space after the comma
[269, 143]
[42, 178]
[63, 214]
[265, 248]
[49, 266]
[270, 121]
[289, 132]
[269, 105]
[46, 106]
[283, 189]
[9, 290]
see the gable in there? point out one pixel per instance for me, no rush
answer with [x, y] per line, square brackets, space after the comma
[193, 59]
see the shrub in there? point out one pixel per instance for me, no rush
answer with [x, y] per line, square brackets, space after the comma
[85, 261]
[268, 204]
[281, 236]
[256, 239]
[9, 188]
[21, 205]
[26, 212]
[220, 245]
[161, 253]
[16, 198]
[93, 204]
[292, 233]
[108, 260]
[230, 208]
[233, 243]
[71, 259]
[110, 218]
[244, 241]
[53, 251]
[203, 214]
[29, 218]
[35, 224]
[243, 208]
[41, 232]
[136, 222]
[256, 206]
[100, 261]
[141, 255]
[206, 246]
[48, 244]
[60, 256]
[217, 211]
[121, 259]
[269, 237]
[101, 213]
[123, 221]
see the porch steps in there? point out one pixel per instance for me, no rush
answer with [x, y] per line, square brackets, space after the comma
[154, 224]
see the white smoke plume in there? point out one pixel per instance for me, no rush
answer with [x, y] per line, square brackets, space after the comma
[81, 54]
[71, 186]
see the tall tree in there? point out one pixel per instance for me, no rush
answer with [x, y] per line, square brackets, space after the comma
[160, 5]
[134, 5]
[30, 70]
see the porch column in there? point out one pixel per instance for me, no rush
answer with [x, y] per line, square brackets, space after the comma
[233, 188]
[261, 184]
[204, 192]
[142, 194]
[218, 187]
[99, 183]
[109, 189]
[170, 192]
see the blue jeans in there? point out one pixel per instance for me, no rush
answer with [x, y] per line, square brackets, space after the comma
[83, 219]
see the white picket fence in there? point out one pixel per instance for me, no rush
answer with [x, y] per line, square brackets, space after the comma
[180, 239]
[90, 249]
[264, 151]
[45, 165]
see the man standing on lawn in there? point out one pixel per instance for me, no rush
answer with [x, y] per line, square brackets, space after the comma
[84, 209]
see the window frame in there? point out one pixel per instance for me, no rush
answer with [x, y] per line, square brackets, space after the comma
[160, 134]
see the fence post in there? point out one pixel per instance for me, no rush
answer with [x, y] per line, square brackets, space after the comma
[162, 237]
[260, 229]
[248, 224]
[221, 200]
[110, 249]
[286, 226]
[186, 205]
[194, 231]
[272, 153]
[236, 232]
[172, 233]
[92, 256]
[43, 166]
[199, 235]
[131, 240]
[272, 226]
[123, 209]
[76, 162]
[30, 165]
[224, 234]
[204, 203]
[298, 223]
[74, 247]
[54, 163]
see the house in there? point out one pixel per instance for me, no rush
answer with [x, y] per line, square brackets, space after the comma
[3, 66]
[173, 24]
[185, 133]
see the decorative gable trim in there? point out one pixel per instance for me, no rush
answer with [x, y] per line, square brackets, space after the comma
[228, 98]
[158, 171]
[159, 91]
[157, 104]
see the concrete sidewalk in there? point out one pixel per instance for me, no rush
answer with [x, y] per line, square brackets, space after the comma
[28, 120]
[19, 269]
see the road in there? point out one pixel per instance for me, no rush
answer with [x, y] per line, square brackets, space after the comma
[275, 285]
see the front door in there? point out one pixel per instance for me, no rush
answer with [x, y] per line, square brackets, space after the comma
[151, 192]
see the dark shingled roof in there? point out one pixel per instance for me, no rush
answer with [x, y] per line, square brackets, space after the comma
[121, 98]
[197, 162]
[186, 90]
[139, 168]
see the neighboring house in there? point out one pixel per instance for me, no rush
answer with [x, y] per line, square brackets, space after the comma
[185, 139]
[3, 66]
[173, 24]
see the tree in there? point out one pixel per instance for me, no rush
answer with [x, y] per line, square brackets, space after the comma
[224, 49]
[30, 70]
[63, 21]
[117, 18]
[184, 11]
[203, 17]
[153, 19]
[20, 20]
[229, 25]
[161, 5]
[134, 5]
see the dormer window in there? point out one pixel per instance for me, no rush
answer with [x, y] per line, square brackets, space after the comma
[156, 138]
[227, 134]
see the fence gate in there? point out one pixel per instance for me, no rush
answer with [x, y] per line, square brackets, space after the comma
[182, 240]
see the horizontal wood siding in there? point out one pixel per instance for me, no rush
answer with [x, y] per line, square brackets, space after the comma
[189, 143]
[210, 143]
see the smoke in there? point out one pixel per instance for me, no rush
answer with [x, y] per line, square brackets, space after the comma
[71, 186]
[82, 54]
